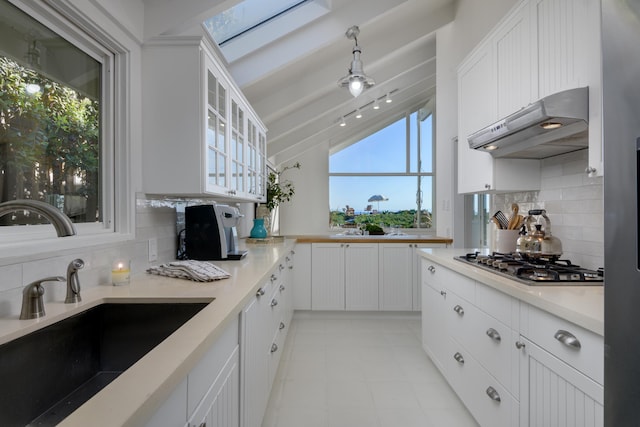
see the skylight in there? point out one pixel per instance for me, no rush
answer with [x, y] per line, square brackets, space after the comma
[246, 16]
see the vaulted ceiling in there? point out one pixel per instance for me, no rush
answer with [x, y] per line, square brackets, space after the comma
[289, 69]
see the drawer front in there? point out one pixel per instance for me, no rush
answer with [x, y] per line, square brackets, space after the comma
[439, 277]
[488, 340]
[578, 347]
[488, 401]
[499, 305]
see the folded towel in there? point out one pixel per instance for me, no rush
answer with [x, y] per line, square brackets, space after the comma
[199, 271]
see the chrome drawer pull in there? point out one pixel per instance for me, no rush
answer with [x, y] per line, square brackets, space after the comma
[493, 334]
[459, 358]
[281, 267]
[281, 327]
[458, 309]
[274, 347]
[520, 345]
[431, 269]
[567, 338]
[260, 292]
[282, 288]
[274, 302]
[493, 394]
[273, 278]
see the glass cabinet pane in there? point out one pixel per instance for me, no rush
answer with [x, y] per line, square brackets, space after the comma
[222, 100]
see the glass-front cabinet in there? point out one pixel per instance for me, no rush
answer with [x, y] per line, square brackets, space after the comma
[201, 136]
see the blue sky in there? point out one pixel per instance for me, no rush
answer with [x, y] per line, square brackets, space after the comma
[382, 152]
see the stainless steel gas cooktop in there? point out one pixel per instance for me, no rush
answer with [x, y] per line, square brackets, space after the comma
[535, 271]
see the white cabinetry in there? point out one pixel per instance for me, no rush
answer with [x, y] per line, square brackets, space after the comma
[399, 275]
[561, 372]
[540, 47]
[198, 124]
[478, 107]
[210, 393]
[302, 277]
[468, 332]
[333, 265]
[265, 324]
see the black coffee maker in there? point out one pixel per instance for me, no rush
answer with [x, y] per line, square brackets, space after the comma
[211, 234]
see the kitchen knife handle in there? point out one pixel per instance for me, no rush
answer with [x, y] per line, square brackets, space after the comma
[568, 339]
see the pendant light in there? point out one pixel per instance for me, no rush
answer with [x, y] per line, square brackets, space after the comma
[356, 80]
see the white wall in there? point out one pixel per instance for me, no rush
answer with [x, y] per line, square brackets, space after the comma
[308, 211]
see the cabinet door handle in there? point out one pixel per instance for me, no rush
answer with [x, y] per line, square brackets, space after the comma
[274, 302]
[273, 278]
[281, 267]
[443, 293]
[520, 345]
[260, 292]
[493, 334]
[287, 259]
[493, 394]
[274, 347]
[291, 267]
[282, 288]
[459, 358]
[568, 339]
[458, 309]
[281, 327]
[431, 269]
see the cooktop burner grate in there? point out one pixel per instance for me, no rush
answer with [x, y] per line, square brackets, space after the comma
[535, 270]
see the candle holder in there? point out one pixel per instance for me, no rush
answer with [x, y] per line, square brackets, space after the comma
[120, 272]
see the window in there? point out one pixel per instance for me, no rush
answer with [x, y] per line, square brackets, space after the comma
[386, 178]
[52, 118]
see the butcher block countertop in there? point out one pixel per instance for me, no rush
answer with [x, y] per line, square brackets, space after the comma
[336, 238]
[582, 305]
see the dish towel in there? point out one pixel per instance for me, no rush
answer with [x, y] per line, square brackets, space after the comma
[199, 271]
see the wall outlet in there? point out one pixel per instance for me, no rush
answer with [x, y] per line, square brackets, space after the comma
[153, 249]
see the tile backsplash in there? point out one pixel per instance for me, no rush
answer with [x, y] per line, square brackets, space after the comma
[155, 218]
[574, 205]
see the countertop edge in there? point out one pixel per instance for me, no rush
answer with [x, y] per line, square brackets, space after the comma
[128, 401]
[581, 305]
[373, 239]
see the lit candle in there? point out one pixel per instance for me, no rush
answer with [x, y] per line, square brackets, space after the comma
[120, 272]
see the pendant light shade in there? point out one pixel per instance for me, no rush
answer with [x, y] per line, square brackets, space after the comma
[356, 81]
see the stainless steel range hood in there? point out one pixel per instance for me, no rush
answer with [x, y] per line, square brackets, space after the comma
[554, 125]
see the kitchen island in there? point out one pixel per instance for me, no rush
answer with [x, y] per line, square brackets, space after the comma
[137, 394]
[342, 238]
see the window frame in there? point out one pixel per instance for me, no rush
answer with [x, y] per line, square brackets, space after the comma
[117, 203]
[406, 115]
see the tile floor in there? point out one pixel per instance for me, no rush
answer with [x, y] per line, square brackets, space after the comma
[360, 370]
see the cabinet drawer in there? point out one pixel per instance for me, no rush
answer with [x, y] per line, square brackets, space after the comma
[578, 347]
[487, 339]
[488, 401]
[499, 305]
[439, 277]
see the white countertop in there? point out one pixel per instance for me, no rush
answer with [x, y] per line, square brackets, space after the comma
[582, 305]
[136, 394]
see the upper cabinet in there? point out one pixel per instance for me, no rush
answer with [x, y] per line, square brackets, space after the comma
[201, 137]
[541, 47]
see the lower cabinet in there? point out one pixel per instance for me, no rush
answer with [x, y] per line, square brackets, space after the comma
[510, 363]
[209, 395]
[264, 325]
[335, 264]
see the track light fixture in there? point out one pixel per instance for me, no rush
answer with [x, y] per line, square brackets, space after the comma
[356, 80]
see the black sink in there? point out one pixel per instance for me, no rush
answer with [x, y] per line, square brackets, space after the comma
[48, 374]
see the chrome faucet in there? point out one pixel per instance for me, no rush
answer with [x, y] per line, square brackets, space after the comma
[73, 281]
[32, 301]
[63, 225]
